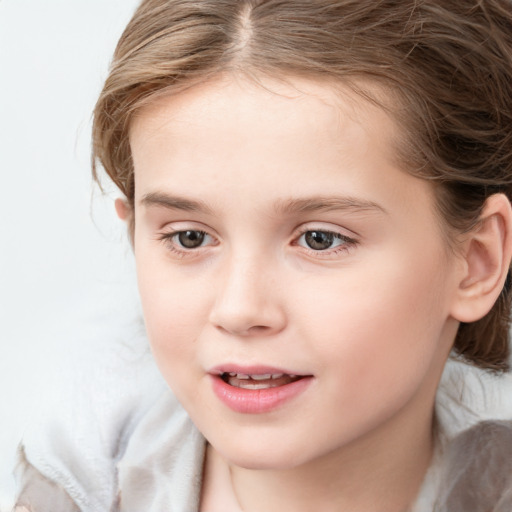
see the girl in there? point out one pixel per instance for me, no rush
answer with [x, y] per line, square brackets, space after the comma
[317, 194]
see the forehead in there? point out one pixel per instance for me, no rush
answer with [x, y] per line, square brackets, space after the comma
[335, 116]
[268, 142]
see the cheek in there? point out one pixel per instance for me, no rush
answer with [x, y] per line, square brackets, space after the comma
[175, 310]
[378, 331]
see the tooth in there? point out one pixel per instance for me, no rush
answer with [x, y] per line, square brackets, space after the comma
[253, 385]
[232, 374]
[265, 376]
[277, 375]
[242, 376]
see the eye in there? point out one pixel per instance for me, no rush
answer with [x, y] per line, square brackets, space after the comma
[186, 240]
[318, 240]
[190, 239]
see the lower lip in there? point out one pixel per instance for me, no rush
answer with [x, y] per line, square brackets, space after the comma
[257, 401]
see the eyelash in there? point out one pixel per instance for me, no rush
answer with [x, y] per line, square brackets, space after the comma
[167, 239]
[346, 244]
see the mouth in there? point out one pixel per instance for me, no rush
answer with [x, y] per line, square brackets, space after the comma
[257, 389]
[258, 381]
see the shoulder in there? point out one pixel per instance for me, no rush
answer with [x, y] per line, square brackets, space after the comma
[37, 492]
[473, 467]
[477, 469]
[471, 472]
[102, 393]
[163, 463]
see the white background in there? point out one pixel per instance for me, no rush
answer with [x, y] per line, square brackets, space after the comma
[62, 252]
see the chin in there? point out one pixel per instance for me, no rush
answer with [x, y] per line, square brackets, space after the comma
[262, 463]
[263, 456]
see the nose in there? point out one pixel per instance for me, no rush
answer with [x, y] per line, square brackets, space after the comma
[247, 301]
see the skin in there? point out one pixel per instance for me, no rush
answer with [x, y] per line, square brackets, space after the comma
[371, 319]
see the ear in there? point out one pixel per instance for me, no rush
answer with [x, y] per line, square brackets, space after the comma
[487, 252]
[122, 209]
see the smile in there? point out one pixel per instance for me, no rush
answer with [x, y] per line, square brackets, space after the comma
[262, 381]
[257, 391]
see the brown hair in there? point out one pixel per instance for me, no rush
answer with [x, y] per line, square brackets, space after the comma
[448, 62]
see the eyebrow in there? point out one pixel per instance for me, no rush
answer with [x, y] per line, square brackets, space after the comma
[175, 203]
[284, 207]
[326, 204]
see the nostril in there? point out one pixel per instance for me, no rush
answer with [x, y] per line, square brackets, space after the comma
[259, 328]
[255, 329]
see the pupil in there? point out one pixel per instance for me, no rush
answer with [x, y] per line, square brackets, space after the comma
[319, 240]
[191, 239]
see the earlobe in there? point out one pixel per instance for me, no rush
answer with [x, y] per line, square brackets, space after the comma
[487, 255]
[122, 209]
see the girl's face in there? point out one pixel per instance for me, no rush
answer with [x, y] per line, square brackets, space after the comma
[296, 285]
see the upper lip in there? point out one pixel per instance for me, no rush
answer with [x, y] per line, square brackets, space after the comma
[252, 370]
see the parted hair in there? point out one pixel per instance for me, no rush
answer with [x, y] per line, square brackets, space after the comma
[446, 64]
